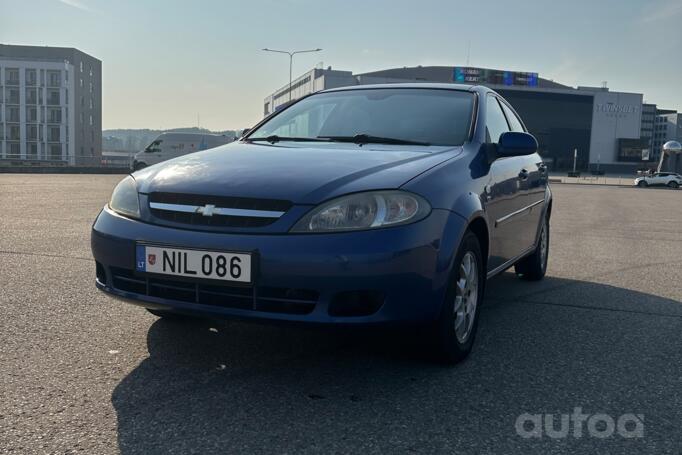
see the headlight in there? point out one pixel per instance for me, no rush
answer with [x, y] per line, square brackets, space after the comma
[370, 210]
[124, 199]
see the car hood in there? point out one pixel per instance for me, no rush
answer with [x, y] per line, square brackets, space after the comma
[298, 172]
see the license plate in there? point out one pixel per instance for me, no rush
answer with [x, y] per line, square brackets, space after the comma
[212, 265]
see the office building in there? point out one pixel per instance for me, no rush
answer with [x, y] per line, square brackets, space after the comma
[611, 131]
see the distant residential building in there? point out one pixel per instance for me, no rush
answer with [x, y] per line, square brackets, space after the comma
[50, 105]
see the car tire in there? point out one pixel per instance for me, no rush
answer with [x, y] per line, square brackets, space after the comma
[642, 184]
[534, 267]
[673, 185]
[168, 315]
[455, 330]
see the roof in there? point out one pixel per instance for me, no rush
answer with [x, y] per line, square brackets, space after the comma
[431, 85]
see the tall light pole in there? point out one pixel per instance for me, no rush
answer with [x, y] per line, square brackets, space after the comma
[291, 61]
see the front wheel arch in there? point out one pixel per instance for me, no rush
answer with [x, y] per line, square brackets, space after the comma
[479, 227]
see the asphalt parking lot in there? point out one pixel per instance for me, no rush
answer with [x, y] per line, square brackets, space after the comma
[80, 372]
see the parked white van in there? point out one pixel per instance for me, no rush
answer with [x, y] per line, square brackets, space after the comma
[172, 145]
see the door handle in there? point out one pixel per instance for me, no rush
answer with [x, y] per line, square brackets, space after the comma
[523, 175]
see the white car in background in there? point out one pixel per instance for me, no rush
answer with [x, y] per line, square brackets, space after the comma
[669, 179]
[173, 145]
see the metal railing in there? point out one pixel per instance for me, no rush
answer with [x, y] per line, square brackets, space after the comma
[28, 160]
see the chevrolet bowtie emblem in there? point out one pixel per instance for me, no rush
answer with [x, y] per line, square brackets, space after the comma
[206, 210]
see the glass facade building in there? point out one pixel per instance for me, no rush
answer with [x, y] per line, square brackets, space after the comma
[560, 122]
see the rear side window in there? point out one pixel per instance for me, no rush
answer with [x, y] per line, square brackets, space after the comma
[496, 124]
[514, 121]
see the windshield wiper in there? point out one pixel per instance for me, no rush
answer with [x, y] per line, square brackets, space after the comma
[369, 139]
[274, 138]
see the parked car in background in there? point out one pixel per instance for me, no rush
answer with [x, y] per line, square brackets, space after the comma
[669, 179]
[364, 205]
[173, 145]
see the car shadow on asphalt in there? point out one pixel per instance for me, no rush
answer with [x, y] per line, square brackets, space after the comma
[219, 386]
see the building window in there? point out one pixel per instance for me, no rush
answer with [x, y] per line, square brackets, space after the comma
[90, 70]
[31, 96]
[54, 78]
[12, 76]
[14, 133]
[90, 87]
[13, 114]
[91, 120]
[32, 132]
[54, 134]
[31, 77]
[32, 151]
[55, 151]
[13, 96]
[81, 65]
[90, 103]
[13, 150]
[53, 98]
[54, 115]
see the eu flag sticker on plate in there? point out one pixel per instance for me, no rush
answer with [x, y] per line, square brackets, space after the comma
[140, 259]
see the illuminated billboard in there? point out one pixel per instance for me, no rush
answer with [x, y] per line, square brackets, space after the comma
[469, 75]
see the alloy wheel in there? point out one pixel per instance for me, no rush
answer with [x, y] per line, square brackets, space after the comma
[466, 297]
[544, 244]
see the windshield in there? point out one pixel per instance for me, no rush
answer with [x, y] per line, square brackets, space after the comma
[397, 115]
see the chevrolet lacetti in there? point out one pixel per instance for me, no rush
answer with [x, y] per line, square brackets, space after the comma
[368, 205]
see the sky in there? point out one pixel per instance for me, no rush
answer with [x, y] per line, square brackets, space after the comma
[177, 63]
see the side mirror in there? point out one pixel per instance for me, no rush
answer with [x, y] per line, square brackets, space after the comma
[514, 143]
[245, 131]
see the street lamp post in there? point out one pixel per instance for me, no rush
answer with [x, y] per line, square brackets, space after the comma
[291, 61]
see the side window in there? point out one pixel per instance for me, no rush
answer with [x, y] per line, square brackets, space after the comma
[496, 124]
[154, 147]
[513, 119]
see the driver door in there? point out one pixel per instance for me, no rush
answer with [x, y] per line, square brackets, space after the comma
[506, 194]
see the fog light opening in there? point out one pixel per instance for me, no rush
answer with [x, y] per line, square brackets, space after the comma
[356, 303]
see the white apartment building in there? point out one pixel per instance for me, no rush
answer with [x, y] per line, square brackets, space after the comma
[35, 115]
[50, 106]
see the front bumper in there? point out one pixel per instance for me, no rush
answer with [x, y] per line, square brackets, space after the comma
[393, 275]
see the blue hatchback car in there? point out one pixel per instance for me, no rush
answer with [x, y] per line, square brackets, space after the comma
[386, 204]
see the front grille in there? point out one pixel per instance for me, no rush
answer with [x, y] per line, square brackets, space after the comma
[266, 299]
[217, 220]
